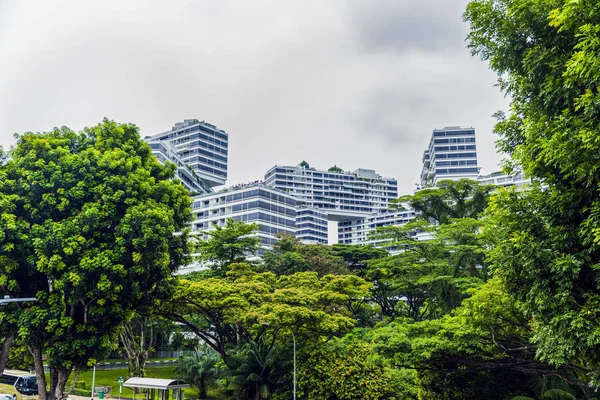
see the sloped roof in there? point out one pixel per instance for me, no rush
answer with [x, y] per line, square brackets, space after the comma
[154, 383]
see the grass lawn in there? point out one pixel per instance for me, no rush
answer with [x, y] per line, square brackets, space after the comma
[110, 378]
[9, 389]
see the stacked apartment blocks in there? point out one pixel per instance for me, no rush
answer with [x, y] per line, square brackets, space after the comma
[341, 195]
[297, 200]
[300, 200]
[198, 149]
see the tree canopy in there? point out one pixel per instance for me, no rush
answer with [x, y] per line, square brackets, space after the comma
[357, 257]
[545, 240]
[289, 256]
[465, 198]
[228, 245]
[227, 312]
[93, 227]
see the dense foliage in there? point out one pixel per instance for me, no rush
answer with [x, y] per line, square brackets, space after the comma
[545, 240]
[289, 256]
[488, 294]
[227, 245]
[200, 370]
[88, 223]
[428, 322]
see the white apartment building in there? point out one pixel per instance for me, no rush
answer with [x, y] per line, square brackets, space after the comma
[200, 151]
[452, 154]
[165, 151]
[340, 195]
[311, 225]
[501, 179]
[273, 211]
[358, 231]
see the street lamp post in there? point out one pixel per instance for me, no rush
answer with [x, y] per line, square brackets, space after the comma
[7, 299]
[93, 382]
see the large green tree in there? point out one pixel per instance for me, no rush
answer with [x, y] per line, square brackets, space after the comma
[481, 350]
[228, 312]
[93, 226]
[546, 249]
[289, 256]
[465, 198]
[226, 245]
[428, 278]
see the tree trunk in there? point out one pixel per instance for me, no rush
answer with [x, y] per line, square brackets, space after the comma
[75, 379]
[5, 349]
[58, 382]
[202, 394]
[53, 381]
[136, 348]
[36, 352]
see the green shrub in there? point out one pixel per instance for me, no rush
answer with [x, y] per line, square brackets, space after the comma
[81, 392]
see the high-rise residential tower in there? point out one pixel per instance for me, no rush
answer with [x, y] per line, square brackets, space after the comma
[357, 231]
[274, 212]
[198, 149]
[340, 195]
[452, 154]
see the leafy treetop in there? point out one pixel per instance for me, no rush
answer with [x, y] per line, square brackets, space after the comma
[289, 256]
[228, 245]
[546, 241]
[452, 199]
[93, 226]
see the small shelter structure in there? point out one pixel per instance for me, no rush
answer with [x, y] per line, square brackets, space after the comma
[159, 389]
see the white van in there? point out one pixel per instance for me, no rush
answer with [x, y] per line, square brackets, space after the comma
[24, 382]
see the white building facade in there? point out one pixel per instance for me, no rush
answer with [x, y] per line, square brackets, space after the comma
[340, 195]
[311, 225]
[200, 151]
[164, 151]
[504, 180]
[358, 231]
[274, 212]
[452, 154]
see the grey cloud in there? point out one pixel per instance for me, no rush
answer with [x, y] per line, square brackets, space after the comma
[284, 78]
[385, 115]
[402, 25]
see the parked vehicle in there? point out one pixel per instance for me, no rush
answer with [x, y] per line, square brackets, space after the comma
[24, 382]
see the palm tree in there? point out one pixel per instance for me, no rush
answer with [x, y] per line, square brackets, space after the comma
[199, 370]
[253, 369]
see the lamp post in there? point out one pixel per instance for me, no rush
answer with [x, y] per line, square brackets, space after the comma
[93, 381]
[7, 299]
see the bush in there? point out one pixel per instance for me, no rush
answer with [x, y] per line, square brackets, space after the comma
[81, 392]
[344, 371]
[81, 385]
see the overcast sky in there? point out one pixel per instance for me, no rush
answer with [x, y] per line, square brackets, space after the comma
[360, 84]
